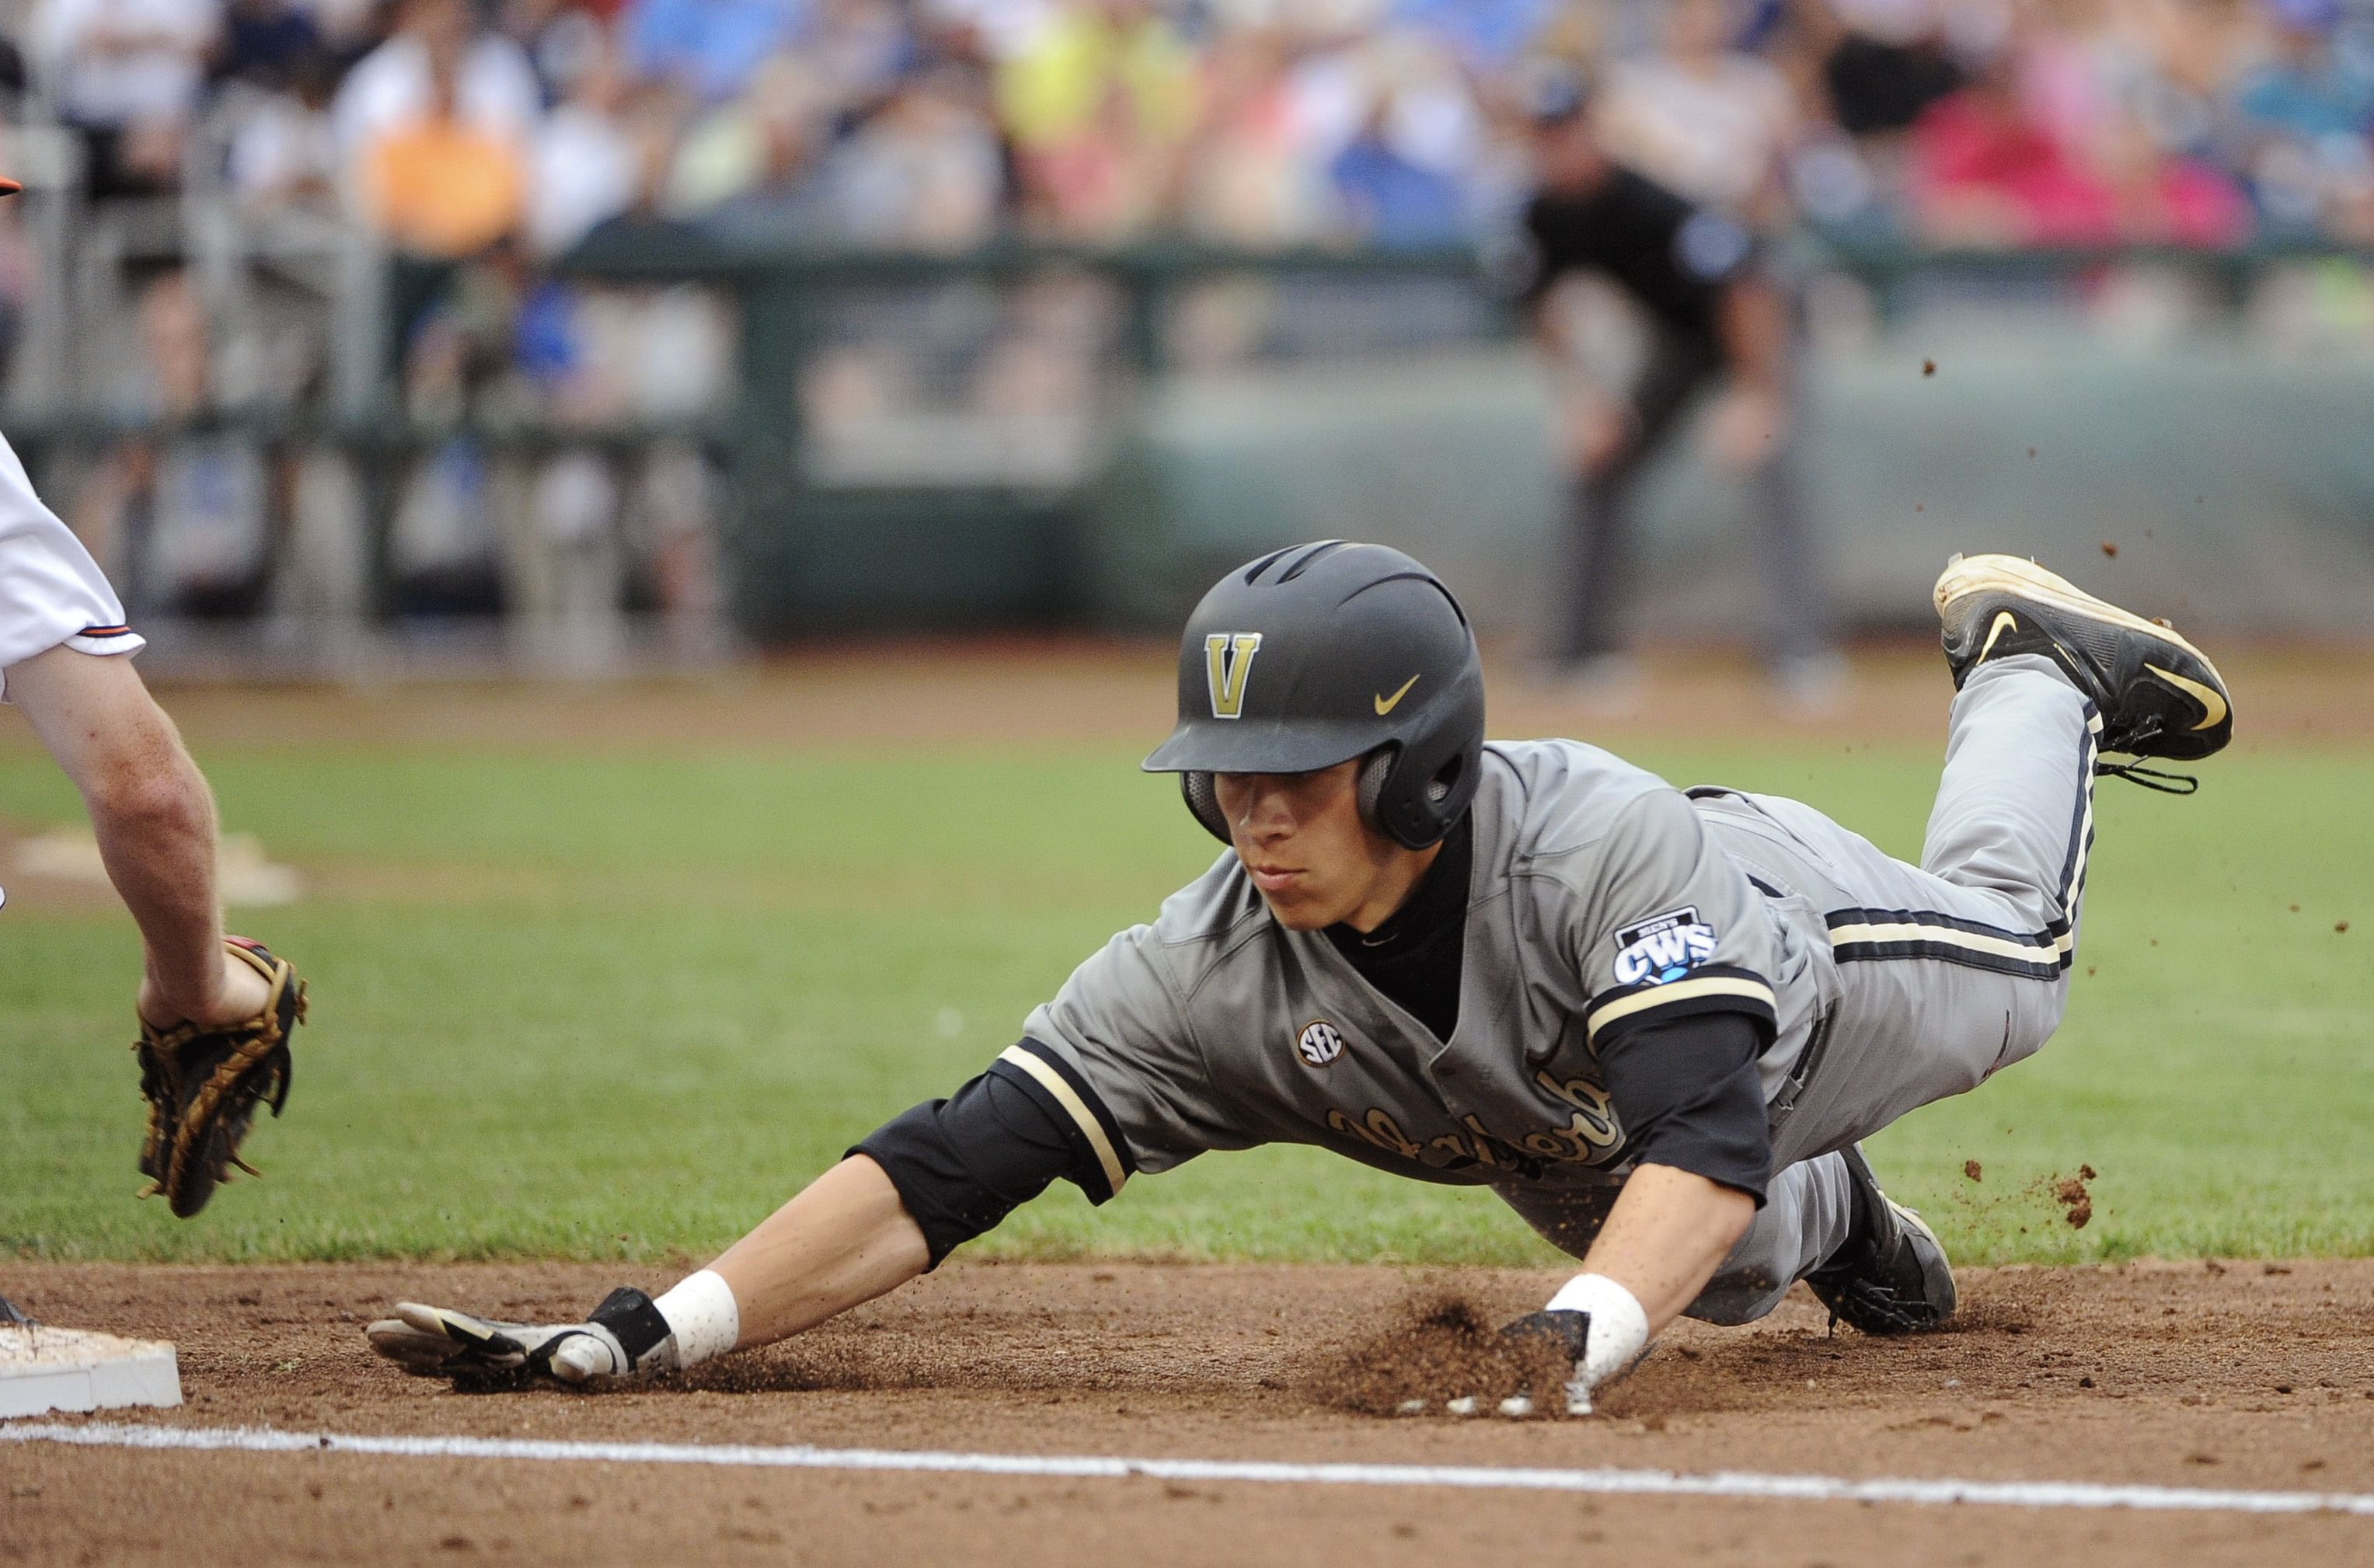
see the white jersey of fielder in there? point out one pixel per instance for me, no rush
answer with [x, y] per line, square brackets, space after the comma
[51, 590]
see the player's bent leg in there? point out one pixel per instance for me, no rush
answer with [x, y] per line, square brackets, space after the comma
[1938, 985]
[2049, 678]
[1872, 1262]
[2013, 815]
[1956, 968]
[1808, 1216]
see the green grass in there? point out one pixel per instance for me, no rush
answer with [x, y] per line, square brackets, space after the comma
[620, 1006]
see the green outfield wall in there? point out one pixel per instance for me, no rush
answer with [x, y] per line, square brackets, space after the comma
[2236, 486]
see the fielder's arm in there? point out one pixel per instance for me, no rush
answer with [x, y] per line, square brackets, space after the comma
[155, 821]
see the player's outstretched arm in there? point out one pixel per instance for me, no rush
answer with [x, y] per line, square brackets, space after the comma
[1668, 1231]
[154, 818]
[919, 1187]
[845, 1239]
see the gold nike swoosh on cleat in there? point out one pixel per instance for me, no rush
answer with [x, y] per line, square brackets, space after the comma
[2212, 703]
[2004, 621]
[1387, 704]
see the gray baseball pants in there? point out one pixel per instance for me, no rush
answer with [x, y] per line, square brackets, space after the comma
[1936, 975]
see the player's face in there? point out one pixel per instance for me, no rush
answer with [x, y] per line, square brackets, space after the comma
[1306, 849]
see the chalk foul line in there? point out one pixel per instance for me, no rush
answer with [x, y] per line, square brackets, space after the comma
[1624, 1483]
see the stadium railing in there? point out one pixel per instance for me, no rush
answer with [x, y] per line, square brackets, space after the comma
[951, 440]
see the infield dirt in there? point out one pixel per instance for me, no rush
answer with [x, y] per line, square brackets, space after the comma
[2246, 1375]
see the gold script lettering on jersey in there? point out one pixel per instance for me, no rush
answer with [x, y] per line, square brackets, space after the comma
[1228, 660]
[1592, 1134]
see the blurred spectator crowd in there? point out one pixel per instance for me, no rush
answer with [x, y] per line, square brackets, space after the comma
[452, 125]
[482, 139]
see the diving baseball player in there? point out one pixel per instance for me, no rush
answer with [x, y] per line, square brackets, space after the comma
[1655, 1022]
[215, 1012]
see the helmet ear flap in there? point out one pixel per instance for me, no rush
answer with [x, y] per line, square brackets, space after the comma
[1204, 802]
[1376, 772]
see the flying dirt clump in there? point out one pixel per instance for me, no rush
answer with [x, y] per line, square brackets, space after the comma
[1440, 1346]
[2076, 1202]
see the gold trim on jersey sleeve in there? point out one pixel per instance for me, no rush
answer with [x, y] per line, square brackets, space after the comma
[1680, 991]
[1067, 1097]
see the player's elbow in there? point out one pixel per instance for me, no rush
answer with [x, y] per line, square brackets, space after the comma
[1733, 1212]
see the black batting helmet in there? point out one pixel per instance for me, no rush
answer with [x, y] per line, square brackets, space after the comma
[1320, 653]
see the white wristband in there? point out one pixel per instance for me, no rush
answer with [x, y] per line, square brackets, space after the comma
[1620, 1328]
[702, 1314]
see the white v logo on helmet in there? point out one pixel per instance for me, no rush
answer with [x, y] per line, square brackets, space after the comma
[1228, 659]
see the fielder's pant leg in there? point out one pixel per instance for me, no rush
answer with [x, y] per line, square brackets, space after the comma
[1807, 1211]
[1796, 595]
[1597, 568]
[1598, 571]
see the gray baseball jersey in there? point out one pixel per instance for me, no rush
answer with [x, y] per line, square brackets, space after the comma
[1598, 896]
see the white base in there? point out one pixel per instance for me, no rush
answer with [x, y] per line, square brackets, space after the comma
[44, 1369]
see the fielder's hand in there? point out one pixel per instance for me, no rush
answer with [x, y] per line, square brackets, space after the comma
[437, 1341]
[204, 1080]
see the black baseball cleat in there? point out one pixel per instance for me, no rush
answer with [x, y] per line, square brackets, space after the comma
[1891, 1277]
[2159, 696]
[12, 1318]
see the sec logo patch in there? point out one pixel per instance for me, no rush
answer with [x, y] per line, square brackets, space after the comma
[1319, 1044]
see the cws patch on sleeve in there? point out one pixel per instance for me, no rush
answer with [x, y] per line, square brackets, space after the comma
[1663, 947]
[1675, 927]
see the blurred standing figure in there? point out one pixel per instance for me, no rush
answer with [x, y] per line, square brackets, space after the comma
[183, 517]
[1702, 118]
[443, 62]
[2304, 116]
[126, 73]
[1712, 315]
[586, 167]
[709, 48]
[923, 170]
[441, 184]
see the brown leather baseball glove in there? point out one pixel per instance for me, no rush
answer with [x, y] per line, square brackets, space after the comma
[203, 1086]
